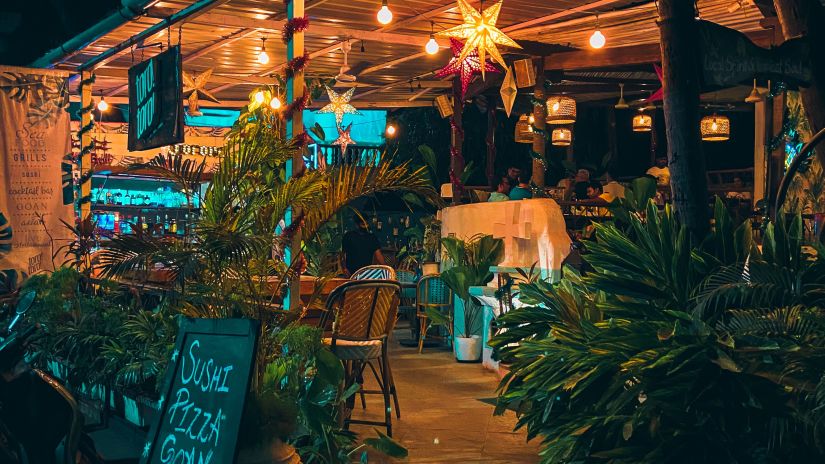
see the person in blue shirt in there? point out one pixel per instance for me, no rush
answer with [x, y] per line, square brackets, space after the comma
[522, 191]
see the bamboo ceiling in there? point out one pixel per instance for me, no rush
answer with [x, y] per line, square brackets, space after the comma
[227, 39]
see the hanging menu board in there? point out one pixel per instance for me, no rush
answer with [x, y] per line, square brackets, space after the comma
[206, 386]
[156, 101]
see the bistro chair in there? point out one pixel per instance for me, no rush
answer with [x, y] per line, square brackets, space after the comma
[434, 303]
[364, 314]
[407, 279]
[374, 272]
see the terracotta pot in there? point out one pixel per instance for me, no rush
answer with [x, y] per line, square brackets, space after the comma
[275, 452]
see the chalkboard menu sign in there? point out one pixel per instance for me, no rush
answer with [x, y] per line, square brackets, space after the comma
[203, 399]
[156, 101]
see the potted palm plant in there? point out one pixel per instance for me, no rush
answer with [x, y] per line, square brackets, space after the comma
[471, 262]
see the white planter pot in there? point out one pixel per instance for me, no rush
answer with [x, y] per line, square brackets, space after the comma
[468, 349]
[429, 268]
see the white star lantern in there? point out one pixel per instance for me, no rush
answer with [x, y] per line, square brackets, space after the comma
[194, 88]
[508, 91]
[339, 105]
[480, 32]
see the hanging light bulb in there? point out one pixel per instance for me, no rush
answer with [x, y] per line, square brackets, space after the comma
[597, 40]
[263, 56]
[754, 96]
[531, 119]
[259, 97]
[432, 46]
[384, 14]
[390, 130]
[275, 103]
[621, 104]
[102, 105]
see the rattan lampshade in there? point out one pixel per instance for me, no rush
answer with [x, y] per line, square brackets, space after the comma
[524, 131]
[642, 123]
[561, 109]
[562, 137]
[715, 128]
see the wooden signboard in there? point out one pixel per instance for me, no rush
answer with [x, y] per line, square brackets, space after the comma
[730, 58]
[205, 390]
[156, 101]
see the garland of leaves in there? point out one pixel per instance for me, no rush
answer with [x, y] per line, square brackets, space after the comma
[292, 26]
[296, 65]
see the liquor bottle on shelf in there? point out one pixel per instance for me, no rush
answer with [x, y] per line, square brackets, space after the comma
[127, 199]
[165, 224]
[173, 227]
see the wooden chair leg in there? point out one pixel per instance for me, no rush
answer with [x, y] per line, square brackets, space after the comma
[393, 391]
[422, 333]
[386, 392]
[360, 380]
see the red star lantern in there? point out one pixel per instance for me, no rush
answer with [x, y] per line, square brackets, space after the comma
[466, 68]
[659, 94]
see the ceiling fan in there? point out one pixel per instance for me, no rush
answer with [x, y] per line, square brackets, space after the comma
[342, 73]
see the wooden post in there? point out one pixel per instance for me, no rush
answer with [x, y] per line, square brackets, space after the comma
[540, 117]
[760, 137]
[681, 73]
[776, 157]
[491, 142]
[800, 18]
[86, 142]
[456, 141]
[294, 127]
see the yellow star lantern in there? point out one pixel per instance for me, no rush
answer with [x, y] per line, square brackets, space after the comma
[480, 32]
[339, 104]
[193, 87]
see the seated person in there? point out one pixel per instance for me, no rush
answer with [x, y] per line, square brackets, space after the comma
[580, 184]
[661, 172]
[597, 197]
[513, 173]
[738, 191]
[615, 189]
[502, 190]
[567, 183]
[522, 191]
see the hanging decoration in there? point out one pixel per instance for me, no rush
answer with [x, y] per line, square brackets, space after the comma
[444, 106]
[465, 67]
[658, 95]
[561, 109]
[525, 73]
[344, 139]
[292, 26]
[194, 88]
[480, 32]
[715, 128]
[508, 91]
[642, 123]
[299, 104]
[524, 131]
[296, 65]
[561, 137]
[339, 104]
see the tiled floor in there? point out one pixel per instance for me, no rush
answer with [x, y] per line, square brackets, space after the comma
[442, 419]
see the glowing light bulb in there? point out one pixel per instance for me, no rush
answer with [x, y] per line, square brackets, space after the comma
[275, 103]
[384, 14]
[263, 56]
[597, 40]
[391, 130]
[432, 46]
[102, 105]
[259, 97]
[556, 107]
[714, 126]
[531, 119]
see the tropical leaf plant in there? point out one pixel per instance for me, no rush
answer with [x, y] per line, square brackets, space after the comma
[672, 353]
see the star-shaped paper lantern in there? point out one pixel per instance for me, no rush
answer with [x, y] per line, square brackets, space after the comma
[339, 104]
[194, 88]
[481, 33]
[465, 67]
[508, 91]
[344, 140]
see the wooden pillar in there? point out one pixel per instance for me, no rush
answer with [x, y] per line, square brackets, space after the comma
[776, 157]
[540, 123]
[86, 142]
[491, 142]
[294, 127]
[456, 142]
[681, 75]
[760, 138]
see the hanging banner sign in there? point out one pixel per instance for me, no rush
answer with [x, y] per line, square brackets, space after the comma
[34, 139]
[207, 382]
[156, 102]
[730, 58]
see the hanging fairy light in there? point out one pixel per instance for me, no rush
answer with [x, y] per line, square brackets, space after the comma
[259, 97]
[275, 103]
[432, 46]
[561, 137]
[597, 39]
[642, 123]
[384, 14]
[561, 109]
[391, 130]
[715, 128]
[102, 105]
[263, 56]
[524, 129]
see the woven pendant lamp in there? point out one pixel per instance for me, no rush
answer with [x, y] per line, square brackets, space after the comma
[561, 109]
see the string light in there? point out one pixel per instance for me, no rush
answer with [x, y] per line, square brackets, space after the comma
[263, 56]
[275, 103]
[391, 130]
[259, 97]
[102, 105]
[432, 46]
[384, 14]
[597, 40]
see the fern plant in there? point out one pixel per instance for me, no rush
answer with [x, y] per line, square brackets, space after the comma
[668, 353]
